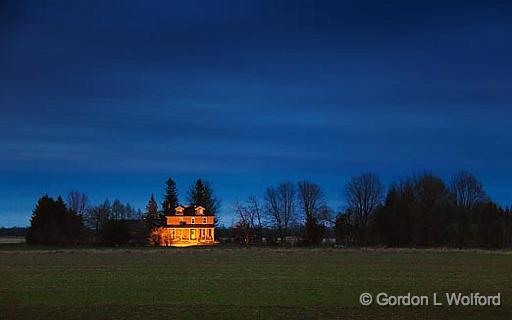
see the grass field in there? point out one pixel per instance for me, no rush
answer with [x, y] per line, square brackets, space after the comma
[255, 283]
[11, 240]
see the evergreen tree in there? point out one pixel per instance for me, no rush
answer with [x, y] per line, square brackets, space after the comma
[152, 218]
[53, 224]
[201, 194]
[171, 197]
[152, 206]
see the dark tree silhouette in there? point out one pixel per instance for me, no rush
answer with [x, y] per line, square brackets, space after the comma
[253, 205]
[201, 194]
[280, 205]
[118, 210]
[344, 229]
[468, 193]
[53, 224]
[78, 202]
[312, 202]
[97, 216]
[432, 199]
[416, 212]
[170, 198]
[249, 225]
[363, 195]
[244, 227]
[152, 218]
[152, 206]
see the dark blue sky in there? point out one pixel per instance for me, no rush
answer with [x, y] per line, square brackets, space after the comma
[111, 98]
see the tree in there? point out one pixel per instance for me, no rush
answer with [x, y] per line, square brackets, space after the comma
[394, 221]
[343, 228]
[152, 218]
[280, 205]
[416, 212]
[244, 228]
[152, 206]
[249, 225]
[468, 193]
[53, 224]
[491, 225]
[118, 210]
[78, 202]
[97, 216]
[311, 200]
[432, 208]
[201, 194]
[130, 212]
[363, 195]
[254, 207]
[170, 198]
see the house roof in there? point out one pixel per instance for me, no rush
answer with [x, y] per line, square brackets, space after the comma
[190, 211]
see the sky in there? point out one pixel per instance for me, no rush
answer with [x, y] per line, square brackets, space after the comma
[113, 97]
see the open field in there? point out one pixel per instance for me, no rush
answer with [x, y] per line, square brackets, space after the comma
[225, 283]
[11, 240]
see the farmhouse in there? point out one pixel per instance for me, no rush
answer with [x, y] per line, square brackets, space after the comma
[188, 226]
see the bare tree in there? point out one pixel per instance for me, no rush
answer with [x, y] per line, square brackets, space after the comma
[363, 195]
[97, 216]
[280, 205]
[327, 215]
[78, 202]
[245, 224]
[250, 221]
[118, 210]
[312, 202]
[311, 198]
[468, 191]
[254, 206]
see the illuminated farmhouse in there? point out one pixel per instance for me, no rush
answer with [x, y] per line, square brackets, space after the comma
[188, 226]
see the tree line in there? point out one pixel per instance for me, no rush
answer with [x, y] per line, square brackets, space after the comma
[419, 211]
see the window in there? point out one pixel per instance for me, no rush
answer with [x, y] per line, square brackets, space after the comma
[204, 220]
